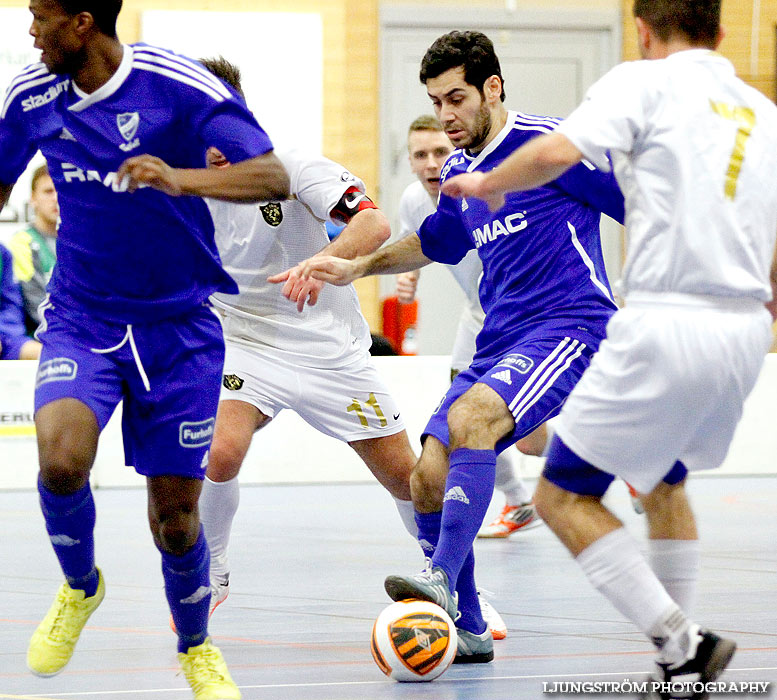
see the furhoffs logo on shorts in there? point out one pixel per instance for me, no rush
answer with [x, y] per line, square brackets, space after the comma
[232, 382]
[196, 434]
[520, 363]
[272, 213]
[60, 369]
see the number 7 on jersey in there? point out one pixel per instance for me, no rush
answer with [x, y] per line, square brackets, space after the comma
[745, 117]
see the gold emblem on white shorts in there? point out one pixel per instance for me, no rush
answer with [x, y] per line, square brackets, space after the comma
[233, 382]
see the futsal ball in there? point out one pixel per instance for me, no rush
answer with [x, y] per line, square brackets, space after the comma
[413, 640]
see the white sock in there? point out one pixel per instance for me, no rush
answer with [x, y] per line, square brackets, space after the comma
[407, 513]
[218, 505]
[509, 483]
[676, 563]
[615, 567]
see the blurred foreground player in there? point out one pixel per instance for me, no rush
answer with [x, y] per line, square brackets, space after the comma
[122, 323]
[695, 151]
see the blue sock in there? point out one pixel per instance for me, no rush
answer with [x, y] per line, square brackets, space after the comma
[469, 602]
[187, 586]
[70, 523]
[428, 530]
[468, 492]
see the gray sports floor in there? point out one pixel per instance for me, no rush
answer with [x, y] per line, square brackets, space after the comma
[308, 566]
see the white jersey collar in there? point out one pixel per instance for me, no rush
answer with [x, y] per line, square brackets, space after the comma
[495, 143]
[697, 55]
[105, 91]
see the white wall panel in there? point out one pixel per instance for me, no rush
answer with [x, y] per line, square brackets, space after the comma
[279, 54]
[289, 450]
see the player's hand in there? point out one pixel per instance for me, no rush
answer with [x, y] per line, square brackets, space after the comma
[472, 185]
[328, 268]
[407, 285]
[149, 171]
[297, 289]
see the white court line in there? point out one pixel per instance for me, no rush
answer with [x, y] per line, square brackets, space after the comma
[624, 674]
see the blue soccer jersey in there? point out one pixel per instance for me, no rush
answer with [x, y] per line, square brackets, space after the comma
[543, 270]
[128, 257]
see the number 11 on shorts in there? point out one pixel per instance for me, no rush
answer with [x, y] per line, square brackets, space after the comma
[356, 407]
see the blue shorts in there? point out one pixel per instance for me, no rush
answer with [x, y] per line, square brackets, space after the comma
[572, 473]
[168, 374]
[533, 378]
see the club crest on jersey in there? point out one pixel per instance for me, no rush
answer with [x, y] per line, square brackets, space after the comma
[128, 126]
[233, 382]
[272, 213]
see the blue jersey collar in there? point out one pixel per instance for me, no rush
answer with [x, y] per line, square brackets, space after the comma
[115, 82]
[491, 147]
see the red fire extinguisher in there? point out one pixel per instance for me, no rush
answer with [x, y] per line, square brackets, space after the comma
[400, 323]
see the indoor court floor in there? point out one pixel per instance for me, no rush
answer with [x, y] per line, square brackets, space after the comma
[308, 564]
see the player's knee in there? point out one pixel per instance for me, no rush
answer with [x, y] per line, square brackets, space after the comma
[463, 426]
[664, 498]
[177, 532]
[64, 464]
[224, 460]
[552, 502]
[426, 490]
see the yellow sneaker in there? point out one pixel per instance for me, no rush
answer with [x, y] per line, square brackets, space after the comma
[207, 674]
[52, 644]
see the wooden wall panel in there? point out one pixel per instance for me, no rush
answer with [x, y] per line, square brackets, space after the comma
[737, 46]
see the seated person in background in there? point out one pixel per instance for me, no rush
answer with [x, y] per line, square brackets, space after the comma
[14, 342]
[34, 247]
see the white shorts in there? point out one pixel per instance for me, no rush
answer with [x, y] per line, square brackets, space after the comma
[667, 384]
[470, 324]
[350, 404]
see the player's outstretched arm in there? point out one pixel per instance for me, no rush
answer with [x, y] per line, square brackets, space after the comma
[254, 180]
[538, 162]
[366, 231]
[402, 256]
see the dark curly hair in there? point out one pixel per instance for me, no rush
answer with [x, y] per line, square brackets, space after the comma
[472, 51]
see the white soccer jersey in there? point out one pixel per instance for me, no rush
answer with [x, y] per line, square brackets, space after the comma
[676, 121]
[259, 240]
[414, 206]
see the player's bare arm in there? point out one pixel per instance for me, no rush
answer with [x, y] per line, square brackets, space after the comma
[253, 180]
[540, 161]
[402, 256]
[366, 230]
